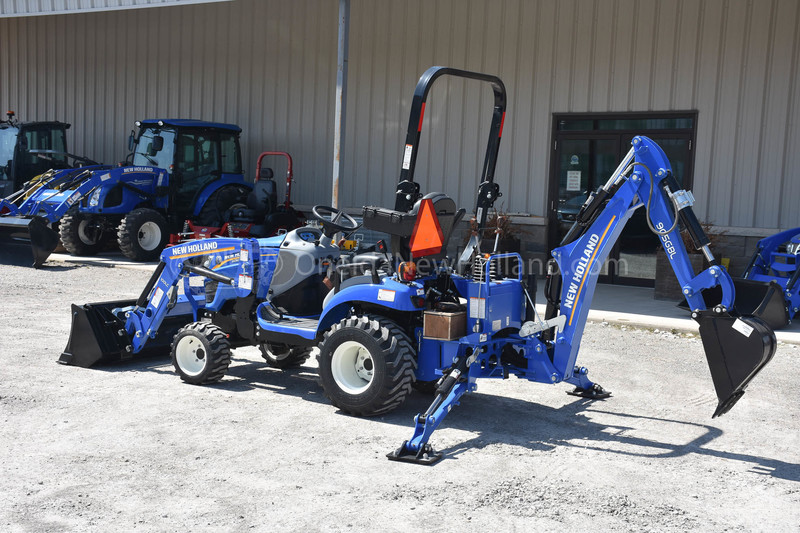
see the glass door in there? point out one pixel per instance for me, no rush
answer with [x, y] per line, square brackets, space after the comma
[587, 149]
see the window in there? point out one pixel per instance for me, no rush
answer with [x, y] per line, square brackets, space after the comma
[231, 158]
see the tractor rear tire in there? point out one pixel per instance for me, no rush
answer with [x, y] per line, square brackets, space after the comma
[201, 353]
[81, 234]
[366, 365]
[283, 357]
[213, 212]
[142, 234]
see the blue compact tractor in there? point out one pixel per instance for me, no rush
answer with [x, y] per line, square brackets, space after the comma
[178, 170]
[404, 316]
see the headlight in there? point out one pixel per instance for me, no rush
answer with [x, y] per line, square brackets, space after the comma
[95, 197]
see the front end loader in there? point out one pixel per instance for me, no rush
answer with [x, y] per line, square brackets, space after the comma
[770, 285]
[385, 324]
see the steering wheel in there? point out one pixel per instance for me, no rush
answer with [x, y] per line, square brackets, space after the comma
[338, 221]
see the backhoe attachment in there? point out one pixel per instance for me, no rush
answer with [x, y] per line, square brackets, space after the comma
[737, 345]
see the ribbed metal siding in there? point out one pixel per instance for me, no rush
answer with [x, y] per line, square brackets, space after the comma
[269, 66]
[735, 61]
[25, 8]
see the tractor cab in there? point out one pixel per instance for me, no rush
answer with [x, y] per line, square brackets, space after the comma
[195, 154]
[28, 149]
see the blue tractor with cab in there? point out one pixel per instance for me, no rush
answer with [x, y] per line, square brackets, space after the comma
[177, 170]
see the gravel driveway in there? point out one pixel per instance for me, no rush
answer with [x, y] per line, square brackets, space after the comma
[132, 448]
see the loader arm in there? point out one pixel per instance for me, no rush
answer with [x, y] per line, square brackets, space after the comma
[116, 331]
[736, 347]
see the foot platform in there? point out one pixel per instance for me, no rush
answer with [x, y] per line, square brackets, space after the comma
[595, 392]
[425, 456]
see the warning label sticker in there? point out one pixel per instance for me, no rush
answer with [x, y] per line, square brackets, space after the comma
[742, 327]
[407, 157]
[385, 295]
[477, 307]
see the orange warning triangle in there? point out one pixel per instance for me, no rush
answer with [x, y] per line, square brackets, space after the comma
[427, 238]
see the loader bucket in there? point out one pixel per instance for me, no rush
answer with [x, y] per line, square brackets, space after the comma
[737, 348]
[26, 241]
[753, 298]
[98, 337]
[763, 300]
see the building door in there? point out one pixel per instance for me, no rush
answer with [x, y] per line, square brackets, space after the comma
[586, 150]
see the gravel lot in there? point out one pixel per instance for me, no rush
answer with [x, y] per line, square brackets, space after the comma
[132, 448]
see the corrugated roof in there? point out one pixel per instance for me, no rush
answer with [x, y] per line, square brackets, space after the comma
[30, 8]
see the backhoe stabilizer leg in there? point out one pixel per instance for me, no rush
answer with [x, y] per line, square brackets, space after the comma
[584, 387]
[417, 450]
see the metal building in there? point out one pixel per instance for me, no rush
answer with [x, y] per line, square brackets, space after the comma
[716, 81]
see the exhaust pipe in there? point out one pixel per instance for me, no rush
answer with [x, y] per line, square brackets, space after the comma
[26, 241]
[737, 348]
[98, 337]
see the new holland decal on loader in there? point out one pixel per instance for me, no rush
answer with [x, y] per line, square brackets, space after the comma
[385, 324]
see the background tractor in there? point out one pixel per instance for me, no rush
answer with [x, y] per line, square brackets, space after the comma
[28, 149]
[177, 170]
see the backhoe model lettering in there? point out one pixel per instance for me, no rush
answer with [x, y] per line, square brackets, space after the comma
[668, 246]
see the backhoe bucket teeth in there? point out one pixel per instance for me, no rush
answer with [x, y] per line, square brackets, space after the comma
[26, 241]
[763, 300]
[98, 337]
[737, 349]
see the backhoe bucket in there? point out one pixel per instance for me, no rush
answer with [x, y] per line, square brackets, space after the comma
[26, 241]
[98, 337]
[763, 300]
[737, 348]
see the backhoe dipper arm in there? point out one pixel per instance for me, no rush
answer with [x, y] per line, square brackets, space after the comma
[645, 178]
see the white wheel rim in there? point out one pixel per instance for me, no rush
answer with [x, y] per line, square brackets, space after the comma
[149, 236]
[83, 225]
[278, 355]
[352, 367]
[191, 356]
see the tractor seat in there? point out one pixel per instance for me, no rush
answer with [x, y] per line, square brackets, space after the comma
[261, 201]
[400, 225]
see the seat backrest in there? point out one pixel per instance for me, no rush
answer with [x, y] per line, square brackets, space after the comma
[264, 196]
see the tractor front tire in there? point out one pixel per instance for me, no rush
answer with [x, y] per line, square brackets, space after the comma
[142, 234]
[81, 234]
[283, 357]
[201, 353]
[366, 365]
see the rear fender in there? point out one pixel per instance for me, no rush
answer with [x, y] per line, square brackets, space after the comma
[224, 181]
[389, 294]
